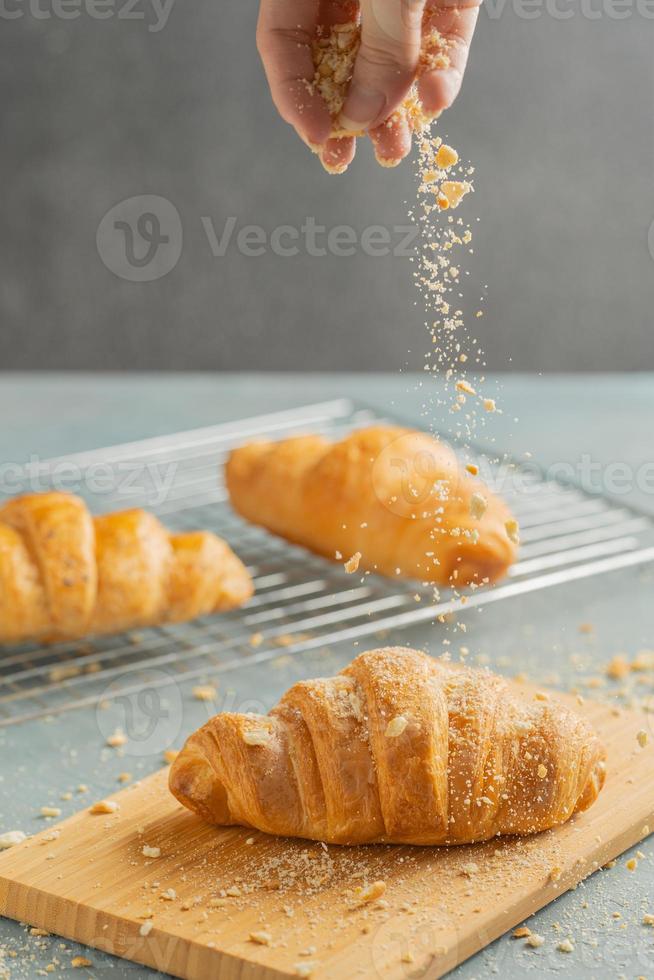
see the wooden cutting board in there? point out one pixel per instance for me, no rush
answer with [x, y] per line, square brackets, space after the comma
[211, 889]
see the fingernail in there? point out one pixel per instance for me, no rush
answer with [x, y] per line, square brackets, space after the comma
[387, 161]
[363, 107]
[333, 168]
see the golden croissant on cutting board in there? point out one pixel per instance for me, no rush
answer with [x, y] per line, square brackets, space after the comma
[65, 574]
[397, 497]
[397, 748]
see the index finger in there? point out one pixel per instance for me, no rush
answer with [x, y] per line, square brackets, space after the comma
[454, 23]
[285, 33]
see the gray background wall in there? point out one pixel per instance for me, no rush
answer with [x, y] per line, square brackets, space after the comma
[556, 114]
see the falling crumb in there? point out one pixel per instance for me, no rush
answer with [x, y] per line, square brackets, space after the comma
[256, 639]
[648, 919]
[124, 777]
[565, 946]
[473, 469]
[521, 932]
[446, 157]
[454, 191]
[151, 852]
[204, 692]
[465, 386]
[512, 529]
[489, 405]
[352, 564]
[261, 937]
[78, 962]
[396, 726]
[118, 739]
[534, 940]
[642, 738]
[146, 928]
[104, 806]
[50, 811]
[478, 505]
[631, 864]
[11, 838]
[586, 628]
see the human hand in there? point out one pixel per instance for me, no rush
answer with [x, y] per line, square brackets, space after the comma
[385, 68]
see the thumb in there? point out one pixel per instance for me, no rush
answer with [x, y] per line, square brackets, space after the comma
[386, 62]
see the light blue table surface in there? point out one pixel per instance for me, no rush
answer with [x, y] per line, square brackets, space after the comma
[596, 424]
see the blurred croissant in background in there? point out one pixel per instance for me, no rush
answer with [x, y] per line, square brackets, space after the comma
[65, 574]
[396, 497]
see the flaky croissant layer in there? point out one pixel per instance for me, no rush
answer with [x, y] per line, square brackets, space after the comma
[397, 748]
[397, 497]
[65, 574]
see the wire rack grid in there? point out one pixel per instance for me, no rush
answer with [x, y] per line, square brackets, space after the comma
[301, 601]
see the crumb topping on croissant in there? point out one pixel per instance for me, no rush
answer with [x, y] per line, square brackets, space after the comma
[65, 574]
[397, 748]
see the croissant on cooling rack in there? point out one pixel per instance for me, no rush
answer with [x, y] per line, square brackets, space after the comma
[397, 497]
[65, 574]
[397, 748]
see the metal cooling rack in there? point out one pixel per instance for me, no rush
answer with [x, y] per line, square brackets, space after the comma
[301, 601]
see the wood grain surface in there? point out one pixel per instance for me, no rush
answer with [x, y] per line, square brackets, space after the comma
[212, 889]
